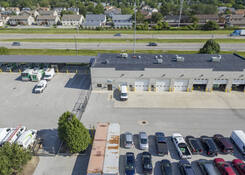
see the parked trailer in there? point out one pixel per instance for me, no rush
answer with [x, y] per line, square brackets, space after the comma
[96, 160]
[111, 161]
[13, 135]
[27, 138]
[37, 75]
[4, 132]
[48, 73]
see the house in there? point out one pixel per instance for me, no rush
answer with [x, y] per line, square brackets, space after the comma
[59, 9]
[12, 10]
[235, 20]
[2, 9]
[240, 12]
[43, 9]
[122, 21]
[75, 10]
[222, 10]
[25, 9]
[205, 18]
[149, 9]
[47, 20]
[1, 22]
[33, 13]
[48, 13]
[21, 20]
[111, 10]
[72, 20]
[93, 21]
[173, 20]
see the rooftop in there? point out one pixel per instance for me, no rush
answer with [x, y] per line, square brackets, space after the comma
[228, 62]
[95, 17]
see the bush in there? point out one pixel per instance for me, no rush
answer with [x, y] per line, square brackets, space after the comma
[4, 51]
[73, 133]
[13, 158]
[210, 47]
[210, 25]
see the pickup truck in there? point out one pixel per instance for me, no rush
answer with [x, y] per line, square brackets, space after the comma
[161, 144]
[181, 146]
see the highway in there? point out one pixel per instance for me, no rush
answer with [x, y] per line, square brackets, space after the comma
[122, 46]
[123, 36]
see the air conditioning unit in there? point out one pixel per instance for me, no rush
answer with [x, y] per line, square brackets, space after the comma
[179, 58]
[216, 59]
[123, 55]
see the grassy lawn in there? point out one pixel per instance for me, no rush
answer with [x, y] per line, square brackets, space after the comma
[95, 52]
[73, 31]
[108, 40]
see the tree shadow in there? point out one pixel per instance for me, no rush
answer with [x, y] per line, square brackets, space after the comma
[79, 81]
[152, 145]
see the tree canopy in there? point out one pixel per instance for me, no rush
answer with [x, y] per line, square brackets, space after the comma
[210, 47]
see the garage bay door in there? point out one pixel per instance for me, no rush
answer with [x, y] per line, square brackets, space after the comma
[141, 85]
[180, 85]
[238, 82]
[200, 81]
[220, 82]
[162, 85]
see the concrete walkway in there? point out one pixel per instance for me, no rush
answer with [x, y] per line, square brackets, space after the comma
[184, 100]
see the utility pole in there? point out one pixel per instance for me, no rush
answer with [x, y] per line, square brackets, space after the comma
[134, 26]
[76, 44]
[180, 12]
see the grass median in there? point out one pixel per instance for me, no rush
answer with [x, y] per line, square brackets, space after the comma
[69, 52]
[112, 40]
[111, 31]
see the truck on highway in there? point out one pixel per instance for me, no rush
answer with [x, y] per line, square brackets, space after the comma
[238, 33]
[161, 144]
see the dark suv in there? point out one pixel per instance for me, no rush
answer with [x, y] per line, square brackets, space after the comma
[209, 146]
[146, 163]
[185, 167]
[224, 144]
[161, 144]
[193, 144]
[130, 164]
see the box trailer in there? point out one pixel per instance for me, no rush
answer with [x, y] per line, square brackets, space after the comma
[111, 161]
[26, 74]
[27, 138]
[96, 160]
[48, 73]
[12, 136]
[4, 132]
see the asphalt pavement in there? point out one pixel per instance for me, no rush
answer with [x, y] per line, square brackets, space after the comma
[121, 46]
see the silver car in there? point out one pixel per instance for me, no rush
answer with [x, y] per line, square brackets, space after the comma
[143, 141]
[128, 140]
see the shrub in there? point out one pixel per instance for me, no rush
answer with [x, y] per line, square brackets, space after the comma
[210, 25]
[210, 47]
[73, 133]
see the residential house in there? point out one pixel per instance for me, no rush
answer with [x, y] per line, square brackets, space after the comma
[173, 20]
[147, 11]
[59, 9]
[240, 12]
[32, 13]
[12, 10]
[111, 10]
[21, 20]
[75, 10]
[72, 20]
[222, 10]
[47, 20]
[48, 13]
[122, 21]
[235, 20]
[205, 18]
[43, 9]
[3, 19]
[93, 21]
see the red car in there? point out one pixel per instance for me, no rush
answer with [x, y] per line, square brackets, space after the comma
[224, 167]
[239, 165]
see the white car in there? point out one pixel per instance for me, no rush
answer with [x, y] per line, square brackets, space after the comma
[143, 141]
[40, 86]
[181, 146]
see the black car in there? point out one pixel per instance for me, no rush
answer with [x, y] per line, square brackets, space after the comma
[146, 163]
[152, 44]
[209, 146]
[130, 164]
[193, 144]
[207, 167]
[185, 167]
[16, 44]
[166, 167]
[224, 144]
[161, 144]
[117, 34]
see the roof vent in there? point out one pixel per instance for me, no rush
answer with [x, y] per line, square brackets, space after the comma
[139, 57]
[156, 57]
[179, 58]
[106, 62]
[160, 56]
[216, 59]
[159, 61]
[123, 55]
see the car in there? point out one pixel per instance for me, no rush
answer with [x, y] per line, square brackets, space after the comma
[166, 167]
[16, 44]
[143, 141]
[209, 146]
[224, 144]
[223, 167]
[207, 167]
[181, 146]
[117, 34]
[130, 164]
[161, 144]
[39, 88]
[185, 167]
[194, 145]
[152, 44]
[146, 163]
[239, 165]
[128, 140]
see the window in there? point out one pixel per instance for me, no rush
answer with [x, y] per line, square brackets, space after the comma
[99, 85]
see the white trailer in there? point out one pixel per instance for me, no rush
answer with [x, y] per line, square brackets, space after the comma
[27, 138]
[238, 137]
[13, 134]
[48, 73]
[111, 161]
[4, 132]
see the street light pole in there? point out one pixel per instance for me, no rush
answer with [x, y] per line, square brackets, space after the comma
[134, 26]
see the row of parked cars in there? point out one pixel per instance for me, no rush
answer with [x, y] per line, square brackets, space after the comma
[188, 146]
[206, 167]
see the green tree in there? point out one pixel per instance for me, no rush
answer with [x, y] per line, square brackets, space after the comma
[156, 17]
[99, 9]
[139, 17]
[210, 25]
[73, 133]
[210, 47]
[64, 12]
[127, 10]
[4, 51]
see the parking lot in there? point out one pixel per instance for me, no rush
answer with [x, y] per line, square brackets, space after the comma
[20, 106]
[187, 121]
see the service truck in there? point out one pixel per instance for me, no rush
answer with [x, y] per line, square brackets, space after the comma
[238, 33]
[48, 73]
[37, 75]
[26, 74]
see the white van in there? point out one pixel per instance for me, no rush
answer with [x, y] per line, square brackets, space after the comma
[12, 136]
[3, 133]
[48, 73]
[124, 93]
[238, 136]
[27, 138]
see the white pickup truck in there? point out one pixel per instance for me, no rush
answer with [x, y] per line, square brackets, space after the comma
[181, 146]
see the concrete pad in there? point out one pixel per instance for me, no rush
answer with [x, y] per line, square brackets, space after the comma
[184, 100]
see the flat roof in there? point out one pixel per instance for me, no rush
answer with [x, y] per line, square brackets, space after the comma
[228, 62]
[43, 59]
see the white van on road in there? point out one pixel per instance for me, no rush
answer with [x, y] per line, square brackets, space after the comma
[238, 137]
